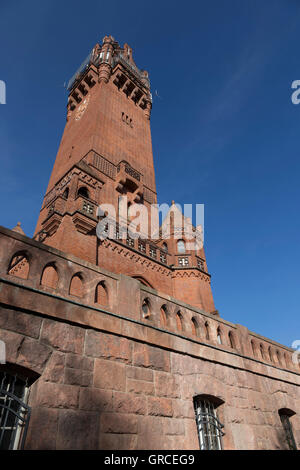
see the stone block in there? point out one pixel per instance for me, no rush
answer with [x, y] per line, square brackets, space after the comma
[62, 336]
[109, 375]
[78, 430]
[129, 403]
[159, 406]
[95, 399]
[101, 345]
[119, 423]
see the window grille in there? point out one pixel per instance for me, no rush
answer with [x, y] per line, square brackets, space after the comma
[130, 241]
[89, 208]
[14, 412]
[289, 436]
[209, 427]
[200, 264]
[142, 247]
[152, 252]
[163, 257]
[183, 261]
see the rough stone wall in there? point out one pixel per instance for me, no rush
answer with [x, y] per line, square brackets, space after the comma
[112, 378]
[102, 391]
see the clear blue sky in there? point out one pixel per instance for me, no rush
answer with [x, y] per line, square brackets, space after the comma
[225, 132]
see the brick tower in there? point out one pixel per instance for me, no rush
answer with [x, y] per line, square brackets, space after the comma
[106, 153]
[112, 342]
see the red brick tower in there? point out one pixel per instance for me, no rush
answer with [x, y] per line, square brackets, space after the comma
[105, 153]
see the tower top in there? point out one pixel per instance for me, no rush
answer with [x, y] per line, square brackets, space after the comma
[111, 53]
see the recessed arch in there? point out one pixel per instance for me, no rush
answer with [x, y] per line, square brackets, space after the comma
[19, 265]
[101, 294]
[207, 330]
[262, 351]
[164, 315]
[195, 327]
[179, 321]
[76, 285]
[49, 276]
[270, 354]
[253, 347]
[143, 281]
[278, 357]
[231, 340]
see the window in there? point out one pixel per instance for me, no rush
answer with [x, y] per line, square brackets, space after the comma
[181, 246]
[200, 264]
[183, 261]
[285, 415]
[219, 338]
[165, 247]
[83, 191]
[66, 193]
[208, 424]
[14, 412]
[152, 252]
[146, 308]
[206, 326]
[142, 246]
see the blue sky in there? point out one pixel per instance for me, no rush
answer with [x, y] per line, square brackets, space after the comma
[225, 132]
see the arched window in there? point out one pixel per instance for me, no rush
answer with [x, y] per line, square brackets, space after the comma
[219, 337]
[66, 193]
[101, 296]
[207, 332]
[165, 247]
[180, 246]
[76, 285]
[146, 308]
[49, 276]
[289, 440]
[210, 429]
[14, 410]
[19, 265]
[179, 321]
[195, 327]
[231, 340]
[83, 191]
[163, 315]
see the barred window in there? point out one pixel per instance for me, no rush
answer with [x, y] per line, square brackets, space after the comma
[183, 261]
[208, 425]
[152, 252]
[14, 411]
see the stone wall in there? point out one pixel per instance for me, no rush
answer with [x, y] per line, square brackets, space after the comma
[114, 379]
